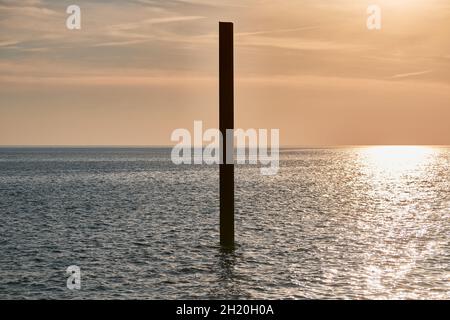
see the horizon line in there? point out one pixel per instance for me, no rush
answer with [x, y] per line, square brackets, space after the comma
[171, 146]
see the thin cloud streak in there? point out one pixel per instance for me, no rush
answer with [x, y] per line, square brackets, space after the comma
[254, 33]
[297, 44]
[130, 31]
[139, 24]
[120, 43]
[27, 10]
[8, 43]
[411, 74]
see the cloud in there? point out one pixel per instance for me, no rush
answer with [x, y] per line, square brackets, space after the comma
[21, 3]
[131, 33]
[32, 9]
[254, 33]
[203, 3]
[297, 43]
[411, 74]
[120, 43]
[106, 80]
[276, 38]
[151, 21]
[8, 43]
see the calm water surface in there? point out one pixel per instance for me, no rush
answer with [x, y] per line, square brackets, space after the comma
[333, 223]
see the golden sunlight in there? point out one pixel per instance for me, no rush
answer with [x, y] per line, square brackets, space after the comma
[397, 160]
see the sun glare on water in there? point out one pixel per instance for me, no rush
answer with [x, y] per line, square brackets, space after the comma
[401, 185]
[397, 160]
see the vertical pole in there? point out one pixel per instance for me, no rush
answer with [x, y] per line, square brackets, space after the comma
[226, 121]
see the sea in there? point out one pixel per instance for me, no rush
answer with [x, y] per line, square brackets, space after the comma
[333, 223]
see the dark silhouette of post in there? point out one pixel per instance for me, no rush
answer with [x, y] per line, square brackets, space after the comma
[226, 121]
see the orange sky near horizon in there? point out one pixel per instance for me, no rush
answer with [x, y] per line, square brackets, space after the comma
[139, 69]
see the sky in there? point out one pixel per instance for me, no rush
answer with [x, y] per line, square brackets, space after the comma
[139, 69]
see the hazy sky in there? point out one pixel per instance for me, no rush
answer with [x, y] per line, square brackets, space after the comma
[139, 69]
